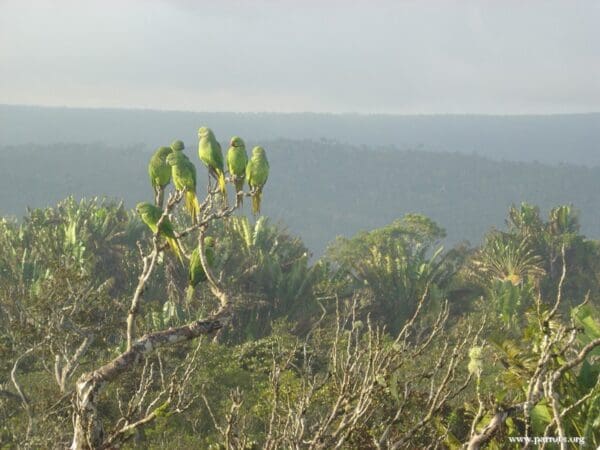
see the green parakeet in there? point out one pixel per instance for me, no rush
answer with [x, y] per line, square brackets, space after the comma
[237, 159]
[257, 173]
[209, 151]
[196, 272]
[151, 215]
[159, 172]
[183, 173]
[177, 145]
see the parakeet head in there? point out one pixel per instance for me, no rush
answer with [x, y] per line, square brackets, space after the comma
[258, 151]
[142, 208]
[237, 141]
[177, 145]
[209, 241]
[204, 132]
[174, 158]
[164, 151]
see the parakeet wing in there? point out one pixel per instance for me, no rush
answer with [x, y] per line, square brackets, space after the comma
[159, 171]
[237, 160]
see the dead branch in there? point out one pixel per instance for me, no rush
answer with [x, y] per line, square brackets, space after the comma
[89, 430]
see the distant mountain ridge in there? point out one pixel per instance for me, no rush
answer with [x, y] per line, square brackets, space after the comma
[320, 189]
[551, 139]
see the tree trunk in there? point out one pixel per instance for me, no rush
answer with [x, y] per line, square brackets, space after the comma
[88, 433]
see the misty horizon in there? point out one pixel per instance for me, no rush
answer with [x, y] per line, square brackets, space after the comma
[307, 112]
[408, 58]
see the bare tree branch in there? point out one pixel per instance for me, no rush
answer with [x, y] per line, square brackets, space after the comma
[89, 430]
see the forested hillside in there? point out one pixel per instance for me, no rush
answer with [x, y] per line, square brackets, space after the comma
[552, 139]
[299, 225]
[320, 188]
[226, 336]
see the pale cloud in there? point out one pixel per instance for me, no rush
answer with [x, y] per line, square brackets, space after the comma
[378, 56]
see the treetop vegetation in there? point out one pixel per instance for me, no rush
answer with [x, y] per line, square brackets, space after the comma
[188, 324]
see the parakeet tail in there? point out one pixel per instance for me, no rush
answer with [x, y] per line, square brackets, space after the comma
[192, 205]
[239, 187]
[175, 247]
[221, 177]
[222, 188]
[256, 202]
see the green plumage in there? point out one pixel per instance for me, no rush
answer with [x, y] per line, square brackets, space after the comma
[183, 173]
[257, 173]
[177, 145]
[151, 215]
[158, 169]
[196, 273]
[159, 172]
[209, 151]
[237, 160]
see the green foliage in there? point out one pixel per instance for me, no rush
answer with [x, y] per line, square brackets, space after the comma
[64, 257]
[525, 220]
[63, 274]
[396, 264]
[505, 257]
[519, 359]
[508, 301]
[530, 257]
[68, 271]
[270, 271]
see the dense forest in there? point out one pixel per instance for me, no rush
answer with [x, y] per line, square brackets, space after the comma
[321, 189]
[551, 139]
[200, 325]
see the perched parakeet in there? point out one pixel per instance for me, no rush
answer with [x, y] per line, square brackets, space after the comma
[177, 145]
[237, 159]
[159, 172]
[151, 215]
[183, 173]
[257, 173]
[209, 151]
[196, 272]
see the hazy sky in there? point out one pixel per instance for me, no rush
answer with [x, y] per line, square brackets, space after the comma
[387, 56]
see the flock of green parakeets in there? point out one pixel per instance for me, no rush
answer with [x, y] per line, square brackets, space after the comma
[171, 164]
